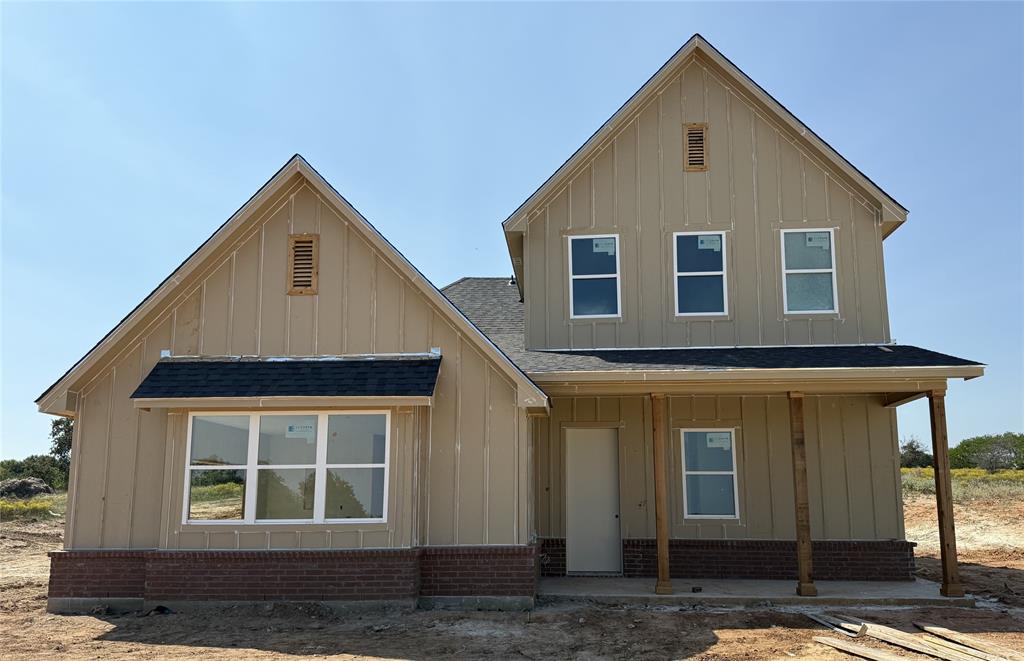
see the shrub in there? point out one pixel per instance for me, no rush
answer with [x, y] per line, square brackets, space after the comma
[991, 452]
[45, 467]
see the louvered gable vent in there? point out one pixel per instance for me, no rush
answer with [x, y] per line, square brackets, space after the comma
[696, 147]
[303, 263]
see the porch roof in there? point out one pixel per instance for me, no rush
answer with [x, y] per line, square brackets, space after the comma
[493, 305]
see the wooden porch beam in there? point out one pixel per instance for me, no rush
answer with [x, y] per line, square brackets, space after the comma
[899, 399]
[805, 585]
[951, 586]
[661, 515]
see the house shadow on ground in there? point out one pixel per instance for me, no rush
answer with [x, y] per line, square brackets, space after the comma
[548, 632]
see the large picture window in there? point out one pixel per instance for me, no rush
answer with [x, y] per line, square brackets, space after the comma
[700, 273]
[287, 467]
[809, 271]
[709, 474]
[594, 276]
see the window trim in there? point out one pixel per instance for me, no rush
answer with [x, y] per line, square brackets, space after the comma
[786, 272]
[617, 275]
[676, 274]
[251, 469]
[734, 472]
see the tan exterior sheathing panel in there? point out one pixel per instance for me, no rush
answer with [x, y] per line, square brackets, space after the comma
[127, 484]
[851, 457]
[760, 180]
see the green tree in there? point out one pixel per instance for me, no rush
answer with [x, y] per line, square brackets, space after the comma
[61, 431]
[43, 466]
[991, 452]
[913, 454]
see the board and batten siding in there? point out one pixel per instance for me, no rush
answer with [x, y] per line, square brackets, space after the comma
[758, 182]
[460, 468]
[852, 456]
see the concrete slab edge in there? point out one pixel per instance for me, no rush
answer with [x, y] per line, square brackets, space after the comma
[476, 603]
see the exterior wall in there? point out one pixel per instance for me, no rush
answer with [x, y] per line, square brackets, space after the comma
[852, 455]
[875, 560]
[466, 459]
[758, 181]
[80, 579]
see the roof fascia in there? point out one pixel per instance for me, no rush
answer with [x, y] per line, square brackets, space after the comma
[846, 374]
[231, 403]
[529, 394]
[697, 44]
[47, 399]
[53, 400]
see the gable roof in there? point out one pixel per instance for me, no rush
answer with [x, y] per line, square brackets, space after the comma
[894, 213]
[529, 393]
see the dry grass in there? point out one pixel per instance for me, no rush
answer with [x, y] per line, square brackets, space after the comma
[39, 507]
[969, 484]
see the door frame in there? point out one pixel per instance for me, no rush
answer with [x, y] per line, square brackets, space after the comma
[619, 426]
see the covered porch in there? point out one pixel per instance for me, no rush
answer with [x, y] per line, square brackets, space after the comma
[763, 406]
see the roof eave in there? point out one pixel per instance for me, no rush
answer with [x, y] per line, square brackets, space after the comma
[762, 374]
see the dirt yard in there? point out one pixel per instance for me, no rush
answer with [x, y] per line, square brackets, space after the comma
[991, 548]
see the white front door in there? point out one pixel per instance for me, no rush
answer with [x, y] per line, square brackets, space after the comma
[592, 539]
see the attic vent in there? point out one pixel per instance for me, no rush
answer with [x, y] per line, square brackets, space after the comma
[696, 147]
[303, 263]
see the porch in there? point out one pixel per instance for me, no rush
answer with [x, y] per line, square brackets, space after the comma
[813, 458]
[740, 592]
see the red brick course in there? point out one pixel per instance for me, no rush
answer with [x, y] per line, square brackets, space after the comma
[509, 571]
[881, 560]
[378, 574]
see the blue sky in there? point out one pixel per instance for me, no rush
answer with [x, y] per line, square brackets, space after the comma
[131, 131]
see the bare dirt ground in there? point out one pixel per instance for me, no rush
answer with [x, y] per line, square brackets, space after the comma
[302, 631]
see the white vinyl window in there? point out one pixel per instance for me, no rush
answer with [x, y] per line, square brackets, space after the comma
[594, 289]
[709, 473]
[809, 271]
[700, 280]
[302, 467]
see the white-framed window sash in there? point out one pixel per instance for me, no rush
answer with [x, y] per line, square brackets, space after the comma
[596, 276]
[252, 468]
[684, 274]
[786, 272]
[687, 472]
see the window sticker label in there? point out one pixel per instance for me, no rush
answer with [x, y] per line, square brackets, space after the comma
[607, 246]
[818, 240]
[307, 431]
[709, 242]
[721, 440]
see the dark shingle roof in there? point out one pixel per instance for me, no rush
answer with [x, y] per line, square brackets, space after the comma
[493, 305]
[291, 377]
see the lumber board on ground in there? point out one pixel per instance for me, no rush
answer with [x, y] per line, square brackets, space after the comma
[910, 642]
[942, 642]
[970, 641]
[824, 621]
[858, 650]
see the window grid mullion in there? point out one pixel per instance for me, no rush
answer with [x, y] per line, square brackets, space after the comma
[320, 481]
[251, 475]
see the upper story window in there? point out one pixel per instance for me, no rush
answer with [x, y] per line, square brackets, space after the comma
[700, 273]
[287, 468]
[809, 271]
[594, 276]
[709, 474]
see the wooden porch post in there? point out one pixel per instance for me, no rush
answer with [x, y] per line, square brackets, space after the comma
[951, 586]
[805, 585]
[661, 515]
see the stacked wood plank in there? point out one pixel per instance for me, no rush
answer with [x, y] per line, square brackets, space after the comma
[938, 642]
